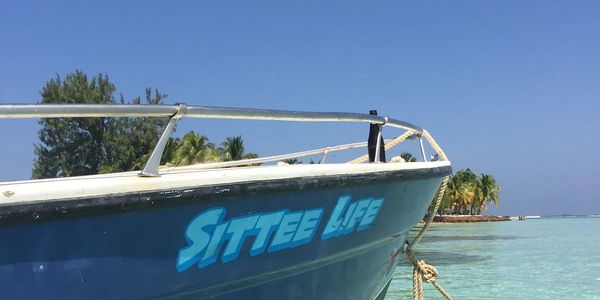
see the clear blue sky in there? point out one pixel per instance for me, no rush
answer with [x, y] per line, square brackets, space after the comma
[509, 88]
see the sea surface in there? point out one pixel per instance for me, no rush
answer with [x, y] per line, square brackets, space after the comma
[554, 258]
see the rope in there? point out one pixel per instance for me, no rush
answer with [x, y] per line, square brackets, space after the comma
[434, 145]
[388, 146]
[421, 270]
[428, 273]
[402, 138]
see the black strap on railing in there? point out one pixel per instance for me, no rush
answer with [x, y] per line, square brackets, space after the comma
[374, 130]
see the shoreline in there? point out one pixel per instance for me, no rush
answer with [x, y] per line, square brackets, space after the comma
[469, 219]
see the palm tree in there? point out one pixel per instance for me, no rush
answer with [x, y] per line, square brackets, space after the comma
[469, 190]
[408, 157]
[170, 151]
[488, 191]
[195, 148]
[452, 197]
[292, 161]
[467, 193]
[460, 195]
[233, 149]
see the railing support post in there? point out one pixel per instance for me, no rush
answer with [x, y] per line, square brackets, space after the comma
[422, 149]
[379, 152]
[376, 147]
[153, 163]
[325, 152]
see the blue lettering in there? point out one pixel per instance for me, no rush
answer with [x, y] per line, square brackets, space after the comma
[358, 213]
[212, 251]
[285, 232]
[198, 235]
[307, 227]
[238, 228]
[362, 212]
[347, 218]
[371, 214]
[207, 233]
[266, 225]
[334, 220]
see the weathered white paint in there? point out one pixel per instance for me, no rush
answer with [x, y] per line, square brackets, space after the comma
[182, 178]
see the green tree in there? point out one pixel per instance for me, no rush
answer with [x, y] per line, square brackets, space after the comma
[408, 157]
[451, 196]
[82, 146]
[72, 146]
[195, 148]
[233, 149]
[468, 193]
[170, 152]
[468, 187]
[292, 161]
[487, 192]
[130, 141]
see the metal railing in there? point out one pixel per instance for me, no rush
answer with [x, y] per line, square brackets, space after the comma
[178, 111]
[207, 112]
[250, 161]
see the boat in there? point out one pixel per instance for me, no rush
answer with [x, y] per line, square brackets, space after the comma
[229, 230]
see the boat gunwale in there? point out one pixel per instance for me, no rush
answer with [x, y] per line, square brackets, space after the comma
[28, 212]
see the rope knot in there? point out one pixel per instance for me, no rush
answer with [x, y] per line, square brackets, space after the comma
[428, 272]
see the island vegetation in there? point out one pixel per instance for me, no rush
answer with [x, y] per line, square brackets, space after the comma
[466, 193]
[469, 194]
[84, 146]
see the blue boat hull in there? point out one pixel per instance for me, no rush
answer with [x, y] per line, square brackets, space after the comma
[320, 238]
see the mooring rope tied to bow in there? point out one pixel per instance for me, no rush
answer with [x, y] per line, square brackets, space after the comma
[422, 270]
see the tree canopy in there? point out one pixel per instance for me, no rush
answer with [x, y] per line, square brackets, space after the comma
[232, 148]
[192, 148]
[83, 146]
[408, 157]
[293, 161]
[469, 193]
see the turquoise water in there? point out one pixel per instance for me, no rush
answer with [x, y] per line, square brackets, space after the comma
[531, 259]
